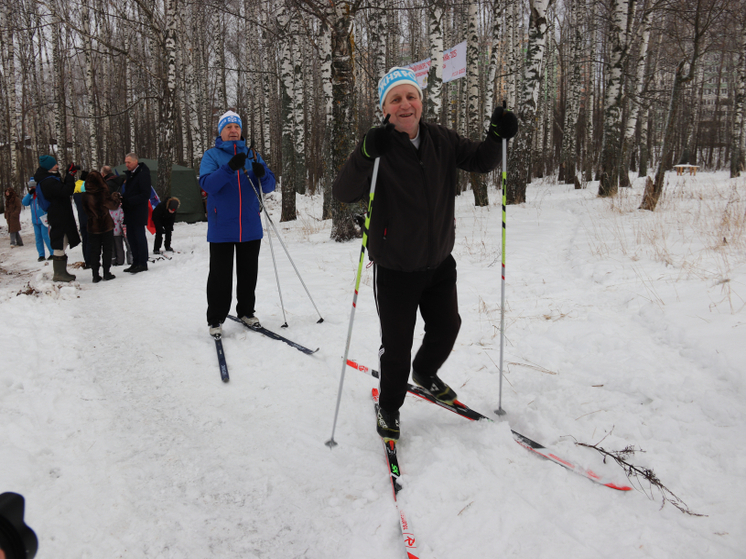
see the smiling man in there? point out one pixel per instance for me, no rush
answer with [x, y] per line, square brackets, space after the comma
[412, 233]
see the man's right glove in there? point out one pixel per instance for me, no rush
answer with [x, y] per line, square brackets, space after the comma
[504, 124]
[378, 141]
[237, 161]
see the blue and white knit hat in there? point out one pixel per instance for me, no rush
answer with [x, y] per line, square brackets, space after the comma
[228, 118]
[396, 76]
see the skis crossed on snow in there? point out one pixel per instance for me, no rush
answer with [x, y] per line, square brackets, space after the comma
[527, 443]
[262, 330]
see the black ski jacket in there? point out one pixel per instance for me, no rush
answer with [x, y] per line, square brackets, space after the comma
[412, 225]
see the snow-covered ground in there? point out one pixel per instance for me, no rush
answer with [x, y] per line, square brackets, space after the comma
[622, 329]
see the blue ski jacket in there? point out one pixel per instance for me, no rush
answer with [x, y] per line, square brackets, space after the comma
[232, 205]
[36, 212]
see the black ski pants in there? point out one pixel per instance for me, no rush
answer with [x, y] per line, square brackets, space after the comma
[98, 243]
[220, 279]
[398, 297]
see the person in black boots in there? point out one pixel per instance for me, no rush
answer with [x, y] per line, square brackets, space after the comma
[97, 201]
[135, 197]
[227, 173]
[63, 231]
[164, 216]
[412, 233]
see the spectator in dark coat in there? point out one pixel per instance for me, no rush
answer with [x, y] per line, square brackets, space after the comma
[97, 201]
[164, 216]
[13, 217]
[63, 231]
[135, 197]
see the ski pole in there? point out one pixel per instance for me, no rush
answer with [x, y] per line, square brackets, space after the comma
[274, 264]
[260, 196]
[500, 410]
[331, 443]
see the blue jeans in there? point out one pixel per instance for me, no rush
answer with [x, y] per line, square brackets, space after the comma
[41, 232]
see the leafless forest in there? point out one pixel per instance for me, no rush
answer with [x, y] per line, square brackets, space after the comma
[600, 87]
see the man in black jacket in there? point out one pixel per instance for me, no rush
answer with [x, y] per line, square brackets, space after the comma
[63, 231]
[135, 196]
[412, 233]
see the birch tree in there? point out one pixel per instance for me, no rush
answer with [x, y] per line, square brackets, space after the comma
[618, 34]
[568, 155]
[434, 106]
[9, 56]
[520, 156]
[478, 182]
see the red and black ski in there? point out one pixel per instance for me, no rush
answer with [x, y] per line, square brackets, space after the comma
[410, 543]
[465, 411]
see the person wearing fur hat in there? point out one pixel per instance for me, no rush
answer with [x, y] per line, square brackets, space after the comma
[412, 233]
[164, 217]
[13, 217]
[231, 174]
[63, 231]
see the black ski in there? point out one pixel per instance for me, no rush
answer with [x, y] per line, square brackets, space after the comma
[410, 543]
[221, 358]
[465, 411]
[275, 336]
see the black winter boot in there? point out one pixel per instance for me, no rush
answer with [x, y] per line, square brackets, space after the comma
[59, 265]
[96, 276]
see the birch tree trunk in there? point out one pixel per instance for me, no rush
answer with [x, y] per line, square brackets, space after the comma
[520, 156]
[568, 154]
[299, 120]
[168, 102]
[88, 54]
[613, 99]
[287, 113]
[478, 182]
[60, 116]
[9, 56]
[325, 71]
[435, 75]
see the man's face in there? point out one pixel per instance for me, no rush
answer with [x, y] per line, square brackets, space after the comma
[231, 132]
[54, 169]
[404, 105]
[130, 163]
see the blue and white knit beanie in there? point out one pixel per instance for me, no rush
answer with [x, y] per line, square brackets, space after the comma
[396, 76]
[228, 118]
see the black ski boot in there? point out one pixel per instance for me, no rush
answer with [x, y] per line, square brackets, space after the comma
[439, 389]
[387, 424]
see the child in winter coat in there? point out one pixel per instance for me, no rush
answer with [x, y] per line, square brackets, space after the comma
[13, 217]
[97, 201]
[117, 216]
[39, 221]
[164, 216]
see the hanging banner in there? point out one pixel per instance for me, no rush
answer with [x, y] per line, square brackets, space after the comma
[454, 62]
[421, 69]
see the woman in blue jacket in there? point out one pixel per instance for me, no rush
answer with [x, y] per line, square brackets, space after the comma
[39, 219]
[231, 175]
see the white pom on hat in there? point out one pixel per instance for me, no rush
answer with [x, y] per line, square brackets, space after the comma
[396, 76]
[227, 118]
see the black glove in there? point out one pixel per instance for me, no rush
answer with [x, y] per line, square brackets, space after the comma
[237, 161]
[378, 141]
[258, 169]
[73, 168]
[504, 124]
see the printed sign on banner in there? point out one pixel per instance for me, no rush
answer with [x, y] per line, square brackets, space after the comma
[421, 70]
[454, 62]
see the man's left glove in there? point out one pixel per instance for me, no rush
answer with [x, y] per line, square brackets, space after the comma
[258, 169]
[504, 124]
[72, 168]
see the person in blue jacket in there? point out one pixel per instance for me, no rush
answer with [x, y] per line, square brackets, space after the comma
[232, 174]
[39, 220]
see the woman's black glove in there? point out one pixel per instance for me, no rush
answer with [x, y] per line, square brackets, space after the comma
[258, 169]
[504, 124]
[378, 141]
[237, 161]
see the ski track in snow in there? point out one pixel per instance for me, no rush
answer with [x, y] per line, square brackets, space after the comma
[120, 434]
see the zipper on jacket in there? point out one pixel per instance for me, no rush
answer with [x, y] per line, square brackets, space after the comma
[240, 201]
